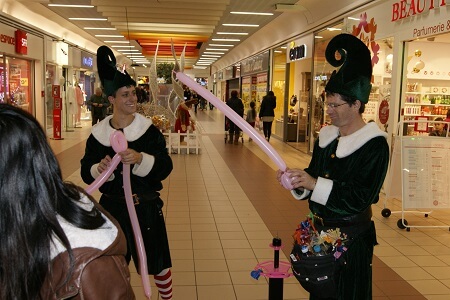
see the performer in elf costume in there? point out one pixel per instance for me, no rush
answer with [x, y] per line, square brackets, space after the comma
[348, 166]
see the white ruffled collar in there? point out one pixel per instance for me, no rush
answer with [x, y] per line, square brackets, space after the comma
[103, 130]
[350, 143]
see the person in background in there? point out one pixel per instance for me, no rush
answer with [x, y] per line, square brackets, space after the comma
[99, 105]
[211, 106]
[267, 113]
[55, 239]
[438, 128]
[235, 103]
[447, 119]
[348, 166]
[251, 116]
[195, 98]
[149, 162]
[184, 118]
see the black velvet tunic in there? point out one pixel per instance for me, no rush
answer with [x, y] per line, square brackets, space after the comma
[144, 137]
[356, 180]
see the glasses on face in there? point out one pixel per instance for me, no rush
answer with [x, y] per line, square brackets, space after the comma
[334, 105]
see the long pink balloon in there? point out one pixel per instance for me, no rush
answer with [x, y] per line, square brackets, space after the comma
[119, 143]
[241, 123]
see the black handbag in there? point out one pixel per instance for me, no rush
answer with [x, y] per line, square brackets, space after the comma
[319, 275]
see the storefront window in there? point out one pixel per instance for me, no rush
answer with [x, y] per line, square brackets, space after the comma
[426, 88]
[16, 83]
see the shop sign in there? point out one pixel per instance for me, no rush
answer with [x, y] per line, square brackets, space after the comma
[405, 9]
[21, 42]
[87, 60]
[297, 52]
[255, 64]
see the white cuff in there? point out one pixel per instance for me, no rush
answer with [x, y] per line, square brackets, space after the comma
[145, 166]
[300, 194]
[322, 190]
[95, 173]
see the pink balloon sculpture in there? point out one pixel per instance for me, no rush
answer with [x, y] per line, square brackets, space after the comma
[241, 123]
[119, 143]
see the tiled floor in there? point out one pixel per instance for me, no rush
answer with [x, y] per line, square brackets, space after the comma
[224, 206]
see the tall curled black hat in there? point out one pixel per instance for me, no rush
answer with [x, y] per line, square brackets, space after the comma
[111, 78]
[354, 77]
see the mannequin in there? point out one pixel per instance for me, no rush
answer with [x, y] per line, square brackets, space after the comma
[71, 103]
[80, 101]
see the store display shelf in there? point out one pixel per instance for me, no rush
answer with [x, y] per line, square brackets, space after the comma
[420, 115]
[426, 104]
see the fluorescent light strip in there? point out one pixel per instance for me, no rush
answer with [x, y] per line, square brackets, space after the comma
[206, 52]
[118, 42]
[216, 49]
[250, 13]
[220, 45]
[88, 19]
[232, 33]
[318, 37]
[99, 28]
[131, 46]
[241, 25]
[109, 35]
[71, 5]
[351, 18]
[226, 40]
[128, 50]
[135, 56]
[333, 29]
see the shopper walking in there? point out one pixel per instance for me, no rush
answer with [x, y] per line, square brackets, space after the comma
[267, 113]
[235, 103]
[251, 116]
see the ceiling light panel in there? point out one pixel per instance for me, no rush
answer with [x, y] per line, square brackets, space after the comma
[241, 25]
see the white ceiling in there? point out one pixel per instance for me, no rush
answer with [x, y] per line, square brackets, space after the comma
[185, 22]
[190, 23]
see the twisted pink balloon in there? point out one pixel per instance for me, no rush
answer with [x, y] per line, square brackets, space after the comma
[241, 123]
[119, 143]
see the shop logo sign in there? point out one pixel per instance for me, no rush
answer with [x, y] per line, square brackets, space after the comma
[405, 9]
[88, 61]
[21, 42]
[297, 52]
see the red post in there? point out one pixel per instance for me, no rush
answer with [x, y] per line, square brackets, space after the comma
[57, 106]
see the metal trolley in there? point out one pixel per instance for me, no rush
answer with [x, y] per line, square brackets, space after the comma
[227, 128]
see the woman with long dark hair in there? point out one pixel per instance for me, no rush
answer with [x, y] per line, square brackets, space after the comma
[55, 241]
[267, 113]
